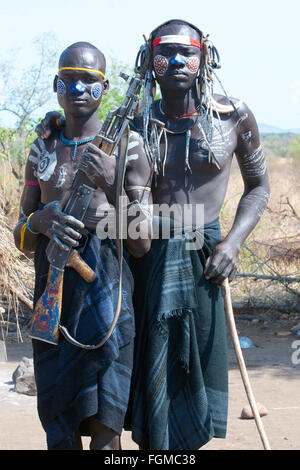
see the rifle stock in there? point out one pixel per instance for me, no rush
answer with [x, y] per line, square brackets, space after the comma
[47, 312]
[52, 297]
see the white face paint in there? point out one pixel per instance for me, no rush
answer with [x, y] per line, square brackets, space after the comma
[193, 63]
[96, 91]
[160, 65]
[61, 87]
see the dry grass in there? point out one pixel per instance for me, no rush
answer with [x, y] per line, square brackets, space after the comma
[16, 276]
[10, 192]
[273, 248]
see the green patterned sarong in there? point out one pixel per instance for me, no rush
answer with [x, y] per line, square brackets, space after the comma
[179, 389]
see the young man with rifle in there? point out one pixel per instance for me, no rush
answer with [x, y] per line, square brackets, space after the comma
[179, 389]
[80, 303]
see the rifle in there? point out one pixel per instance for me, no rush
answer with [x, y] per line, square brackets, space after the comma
[47, 313]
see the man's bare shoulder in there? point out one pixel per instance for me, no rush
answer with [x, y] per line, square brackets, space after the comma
[139, 163]
[226, 101]
[137, 156]
[240, 114]
[226, 105]
[41, 146]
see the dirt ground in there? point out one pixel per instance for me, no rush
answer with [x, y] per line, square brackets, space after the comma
[274, 378]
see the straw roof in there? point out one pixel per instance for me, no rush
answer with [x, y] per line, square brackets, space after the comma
[16, 276]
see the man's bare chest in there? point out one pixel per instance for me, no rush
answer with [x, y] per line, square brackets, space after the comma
[55, 166]
[197, 153]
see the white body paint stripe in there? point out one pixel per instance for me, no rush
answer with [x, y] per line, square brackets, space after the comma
[132, 157]
[33, 159]
[133, 144]
[35, 149]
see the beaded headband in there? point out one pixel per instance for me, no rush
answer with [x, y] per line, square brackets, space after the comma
[82, 69]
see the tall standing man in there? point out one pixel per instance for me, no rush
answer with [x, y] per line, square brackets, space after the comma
[179, 384]
[79, 391]
[179, 387]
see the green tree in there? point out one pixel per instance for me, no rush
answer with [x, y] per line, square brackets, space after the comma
[26, 93]
[294, 149]
[117, 87]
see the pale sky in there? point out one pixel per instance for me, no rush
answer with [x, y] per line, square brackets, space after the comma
[258, 41]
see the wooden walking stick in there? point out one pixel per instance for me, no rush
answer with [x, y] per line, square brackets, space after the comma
[241, 363]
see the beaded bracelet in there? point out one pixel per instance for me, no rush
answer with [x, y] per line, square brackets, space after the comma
[28, 225]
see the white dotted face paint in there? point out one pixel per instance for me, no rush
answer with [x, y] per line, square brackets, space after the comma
[61, 88]
[96, 91]
[193, 63]
[160, 64]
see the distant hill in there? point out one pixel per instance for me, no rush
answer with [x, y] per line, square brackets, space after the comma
[266, 129]
[281, 144]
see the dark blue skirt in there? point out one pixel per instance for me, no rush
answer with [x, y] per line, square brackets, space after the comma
[72, 383]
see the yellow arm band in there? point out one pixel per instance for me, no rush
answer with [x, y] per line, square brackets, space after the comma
[23, 230]
[82, 69]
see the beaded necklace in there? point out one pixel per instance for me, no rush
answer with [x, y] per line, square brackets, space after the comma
[205, 127]
[177, 116]
[73, 143]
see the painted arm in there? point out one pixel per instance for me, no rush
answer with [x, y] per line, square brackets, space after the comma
[50, 221]
[252, 204]
[138, 180]
[29, 203]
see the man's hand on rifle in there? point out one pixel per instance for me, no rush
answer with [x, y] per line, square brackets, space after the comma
[52, 122]
[59, 227]
[100, 168]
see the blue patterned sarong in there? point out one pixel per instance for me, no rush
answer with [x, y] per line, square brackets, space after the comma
[72, 383]
[179, 391]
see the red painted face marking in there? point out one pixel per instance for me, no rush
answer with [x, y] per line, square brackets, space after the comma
[193, 64]
[160, 64]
